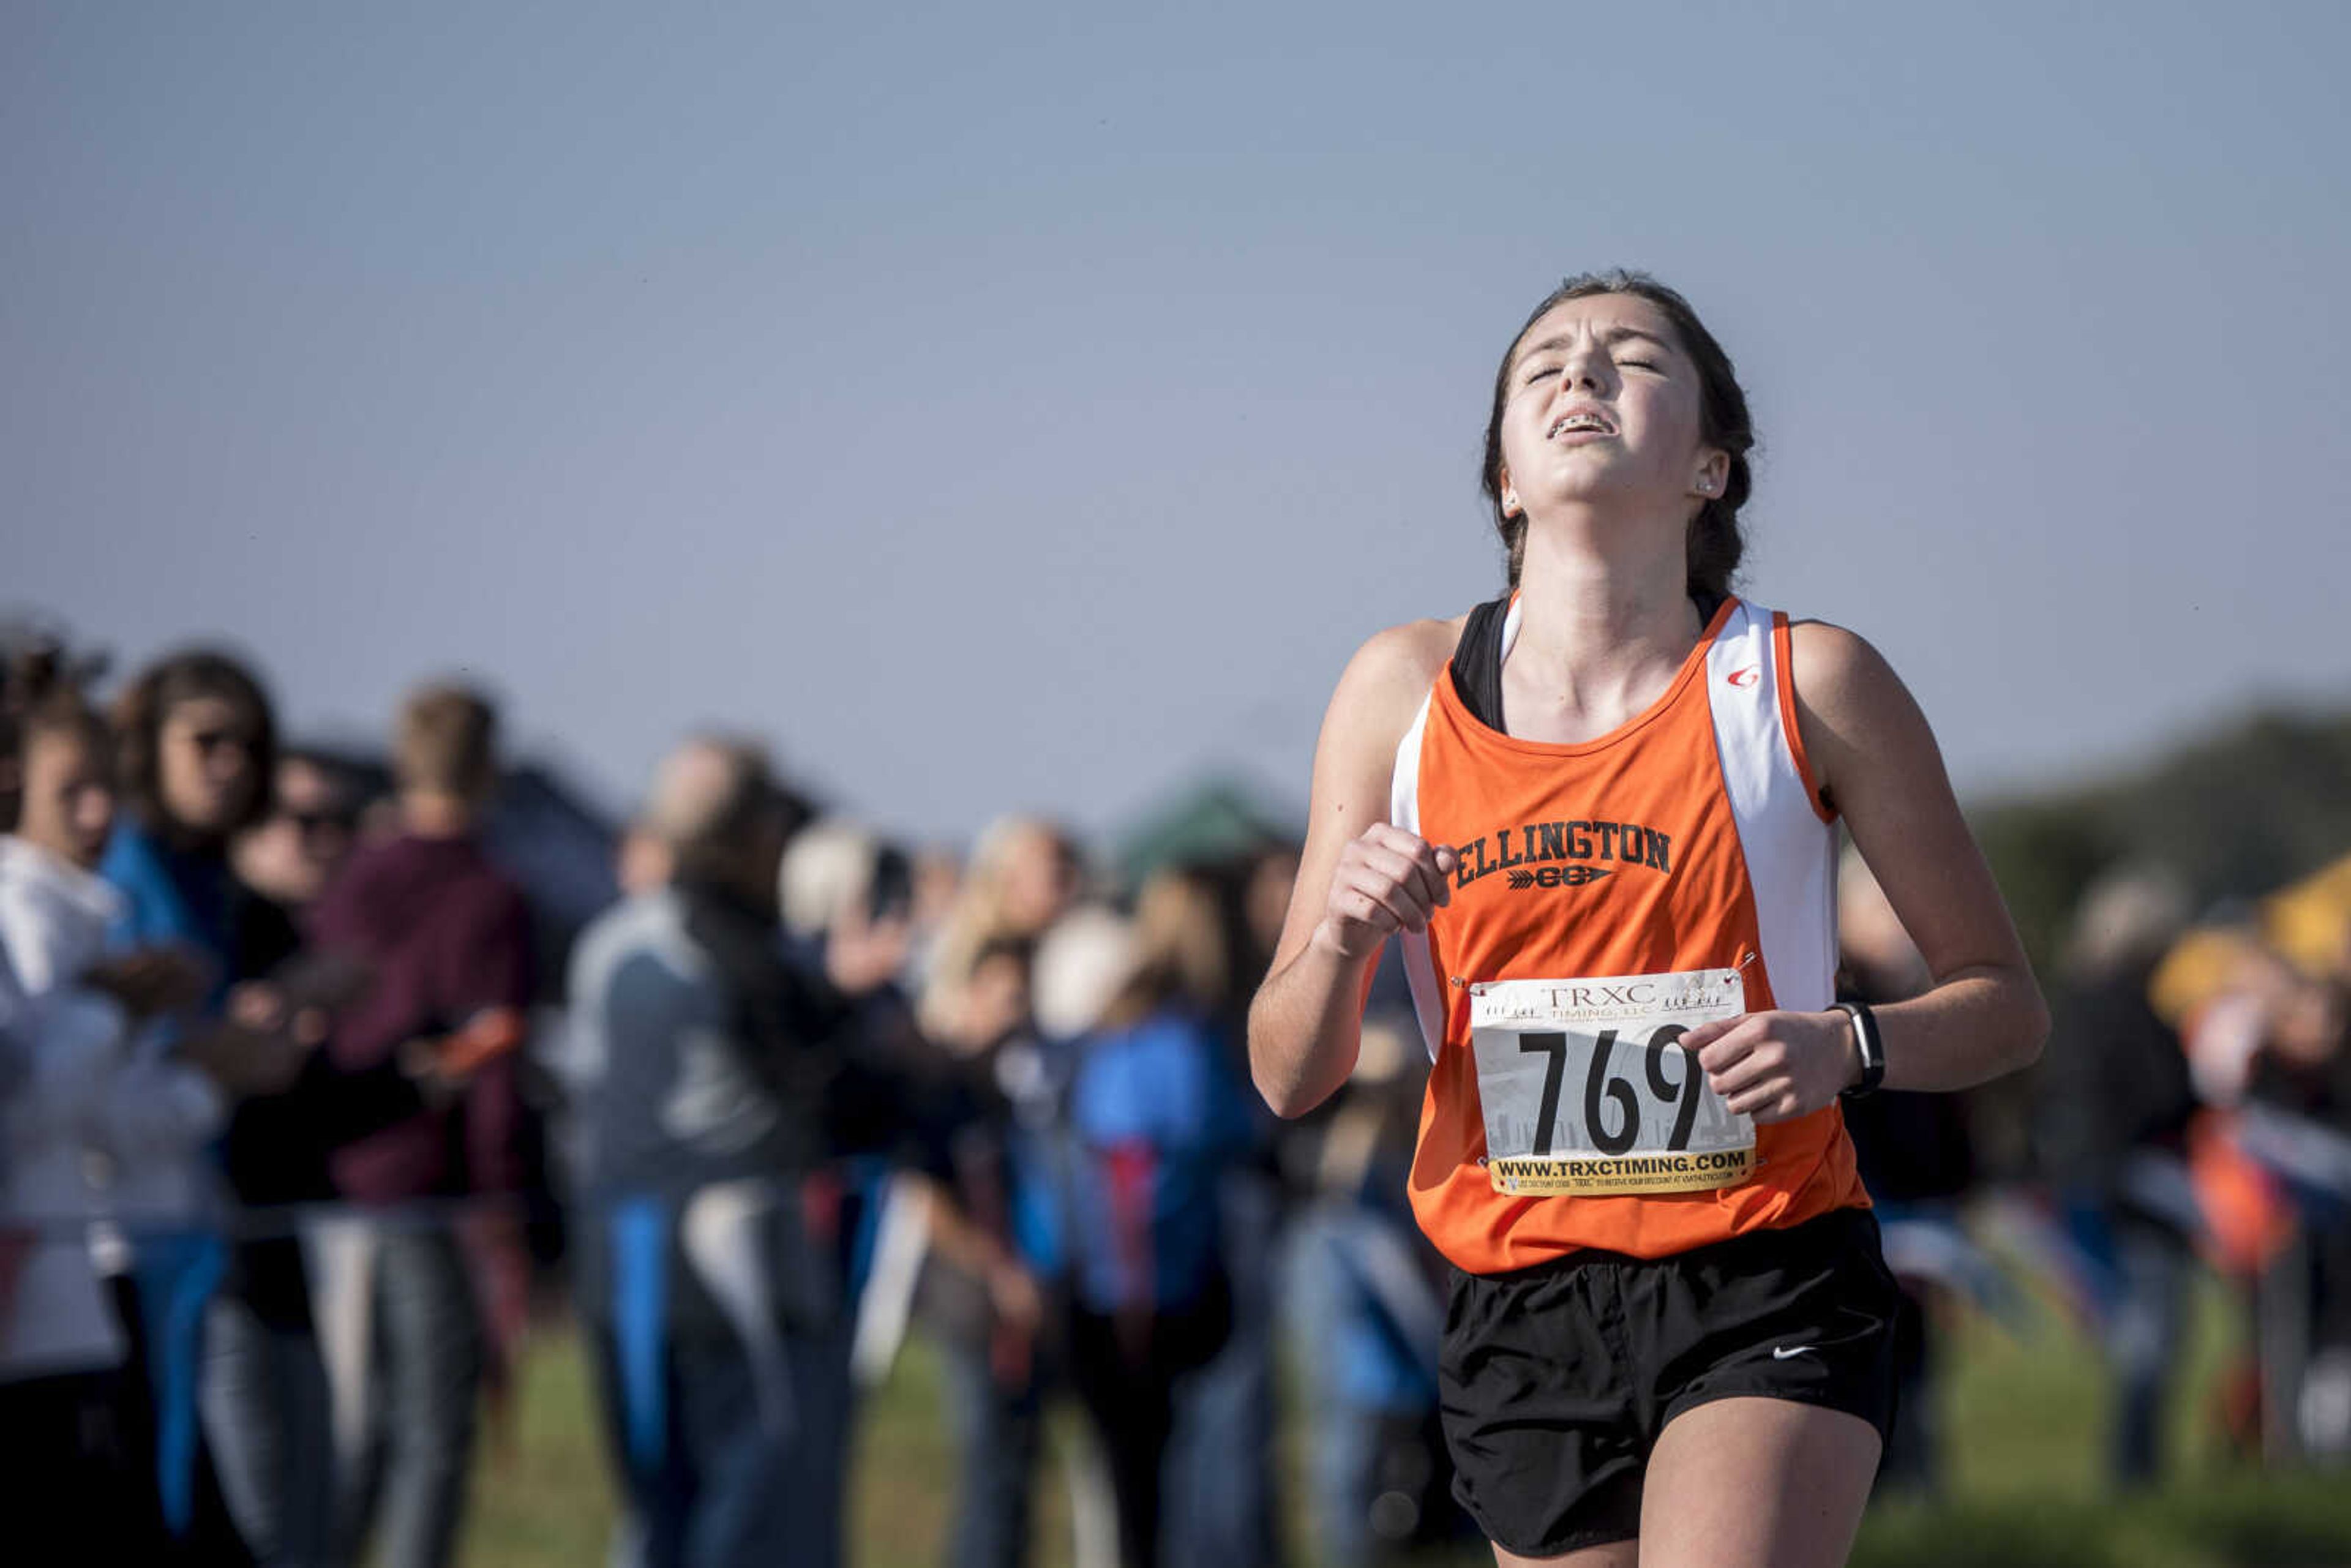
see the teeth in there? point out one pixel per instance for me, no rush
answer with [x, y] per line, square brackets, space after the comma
[1580, 421]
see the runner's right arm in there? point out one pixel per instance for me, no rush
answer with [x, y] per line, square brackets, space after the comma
[1359, 877]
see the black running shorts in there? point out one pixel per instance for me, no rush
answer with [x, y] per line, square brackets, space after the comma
[1555, 1380]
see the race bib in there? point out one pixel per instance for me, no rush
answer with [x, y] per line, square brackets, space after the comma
[1586, 1087]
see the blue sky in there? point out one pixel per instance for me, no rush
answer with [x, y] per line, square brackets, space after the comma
[1033, 406]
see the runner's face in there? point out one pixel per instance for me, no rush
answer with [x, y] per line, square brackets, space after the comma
[1603, 404]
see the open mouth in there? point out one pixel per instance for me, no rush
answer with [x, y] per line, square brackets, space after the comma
[1582, 421]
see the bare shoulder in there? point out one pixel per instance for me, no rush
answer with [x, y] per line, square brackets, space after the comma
[1381, 690]
[1409, 654]
[1388, 676]
[1835, 671]
[1859, 722]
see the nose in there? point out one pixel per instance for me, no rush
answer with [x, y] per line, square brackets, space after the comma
[1587, 369]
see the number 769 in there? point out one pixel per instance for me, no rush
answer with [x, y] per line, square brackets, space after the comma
[1602, 1088]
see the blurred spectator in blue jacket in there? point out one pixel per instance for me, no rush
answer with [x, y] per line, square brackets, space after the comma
[198, 748]
[1159, 1119]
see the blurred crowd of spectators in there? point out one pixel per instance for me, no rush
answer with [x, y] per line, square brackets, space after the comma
[309, 1105]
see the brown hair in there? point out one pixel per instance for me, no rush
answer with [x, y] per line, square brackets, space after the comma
[1715, 541]
[36, 688]
[709, 796]
[61, 711]
[446, 742]
[1180, 957]
[66, 712]
[140, 712]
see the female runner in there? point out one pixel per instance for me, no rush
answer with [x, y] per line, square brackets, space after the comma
[1601, 814]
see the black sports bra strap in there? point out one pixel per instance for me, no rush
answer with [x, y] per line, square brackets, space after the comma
[1478, 661]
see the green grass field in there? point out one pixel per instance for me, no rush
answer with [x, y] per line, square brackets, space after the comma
[2023, 1420]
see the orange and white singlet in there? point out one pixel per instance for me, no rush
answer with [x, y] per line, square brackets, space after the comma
[1612, 893]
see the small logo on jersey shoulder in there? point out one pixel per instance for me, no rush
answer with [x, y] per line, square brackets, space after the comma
[1745, 678]
[1554, 876]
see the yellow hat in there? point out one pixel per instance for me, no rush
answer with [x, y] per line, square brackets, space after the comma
[2309, 922]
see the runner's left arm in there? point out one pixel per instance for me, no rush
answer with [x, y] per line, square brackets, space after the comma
[1876, 764]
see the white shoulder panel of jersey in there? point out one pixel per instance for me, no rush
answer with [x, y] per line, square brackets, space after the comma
[1404, 810]
[1790, 853]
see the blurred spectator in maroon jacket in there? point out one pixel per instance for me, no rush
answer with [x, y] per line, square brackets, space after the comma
[446, 939]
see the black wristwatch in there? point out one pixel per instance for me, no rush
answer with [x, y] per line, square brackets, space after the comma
[1870, 1044]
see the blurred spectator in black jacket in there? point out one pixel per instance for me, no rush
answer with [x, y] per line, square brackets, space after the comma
[722, 1086]
[2114, 1101]
[295, 850]
[1917, 1161]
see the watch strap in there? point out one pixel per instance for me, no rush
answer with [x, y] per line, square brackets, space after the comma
[1869, 1044]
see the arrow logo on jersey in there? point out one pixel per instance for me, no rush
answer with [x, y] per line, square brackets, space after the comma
[1745, 678]
[1554, 876]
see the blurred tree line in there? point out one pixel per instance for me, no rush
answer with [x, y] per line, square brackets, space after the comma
[2236, 815]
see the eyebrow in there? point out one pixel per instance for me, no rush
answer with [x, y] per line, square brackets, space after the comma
[1612, 336]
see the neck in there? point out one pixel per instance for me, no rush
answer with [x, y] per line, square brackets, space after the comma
[1587, 608]
[183, 840]
[431, 814]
